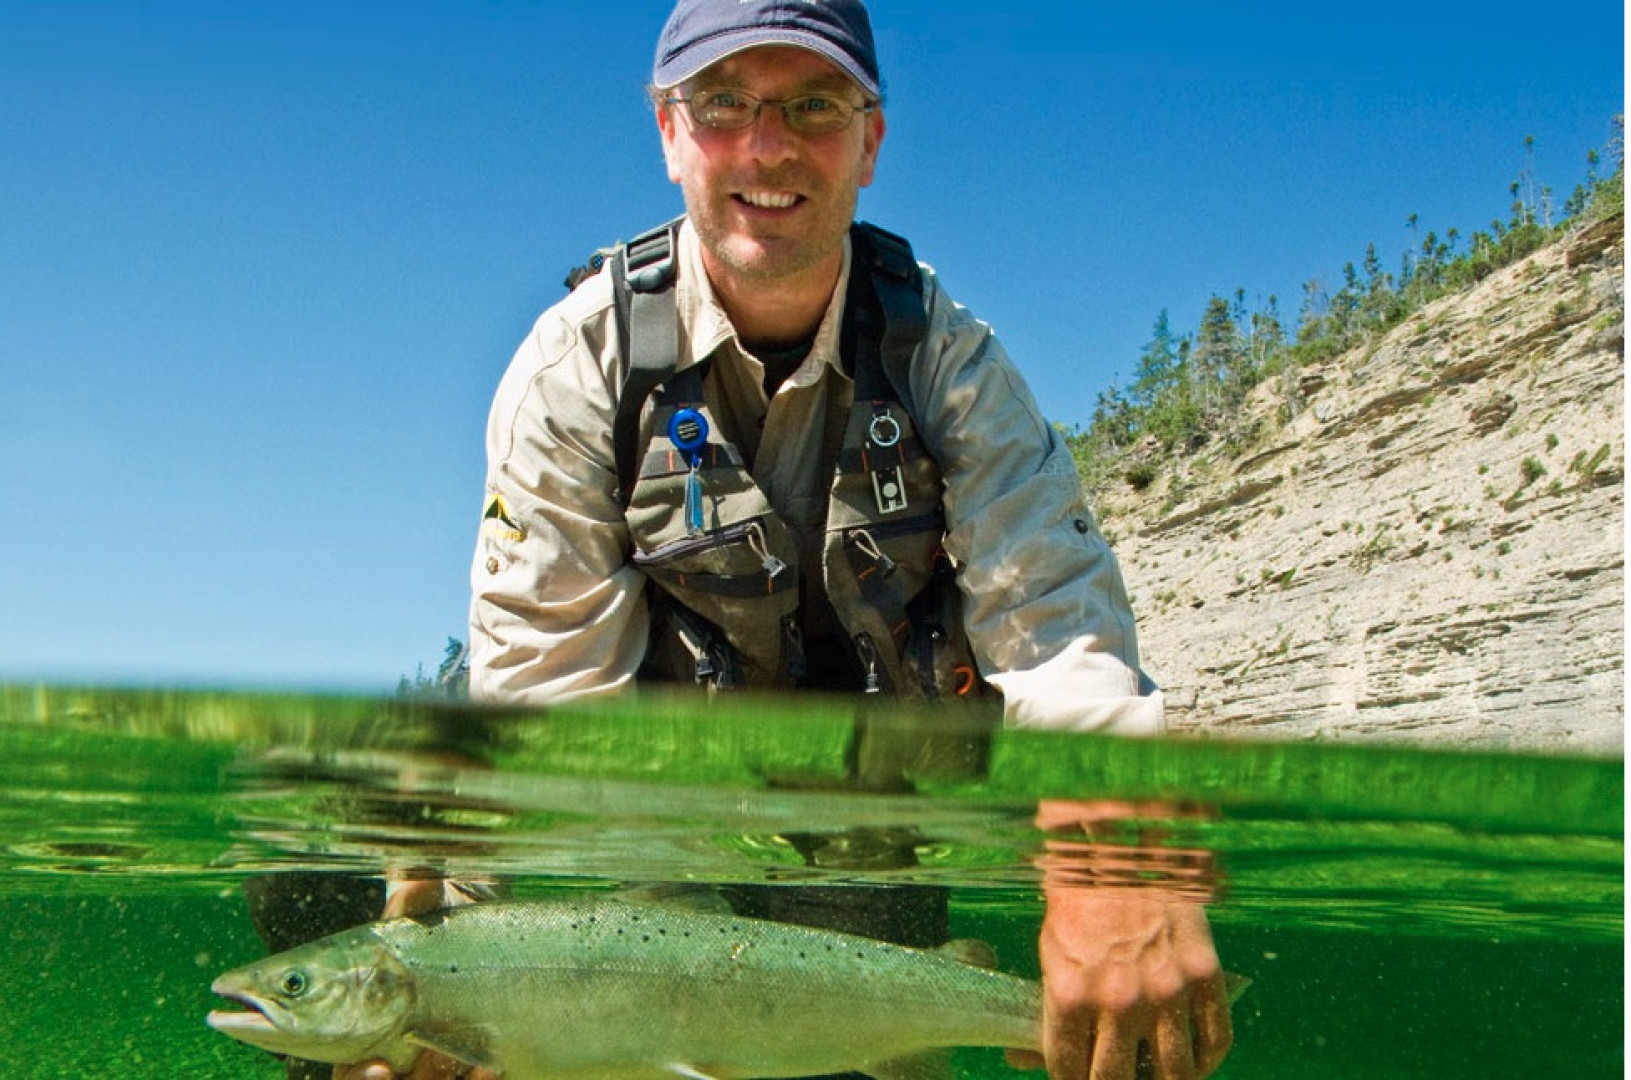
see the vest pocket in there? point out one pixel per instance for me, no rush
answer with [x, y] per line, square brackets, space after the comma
[739, 585]
[906, 578]
[891, 562]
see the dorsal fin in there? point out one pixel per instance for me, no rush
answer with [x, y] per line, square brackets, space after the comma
[970, 951]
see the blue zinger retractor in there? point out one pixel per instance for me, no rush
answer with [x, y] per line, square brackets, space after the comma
[688, 431]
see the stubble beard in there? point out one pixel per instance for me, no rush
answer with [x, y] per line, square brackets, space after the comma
[764, 260]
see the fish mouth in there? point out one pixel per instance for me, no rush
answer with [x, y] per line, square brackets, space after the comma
[250, 1020]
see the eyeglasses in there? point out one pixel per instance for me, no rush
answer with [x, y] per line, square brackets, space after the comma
[807, 114]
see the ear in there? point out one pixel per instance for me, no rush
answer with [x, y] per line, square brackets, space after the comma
[668, 128]
[872, 140]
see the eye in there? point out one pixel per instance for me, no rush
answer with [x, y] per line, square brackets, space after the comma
[294, 983]
[720, 99]
[818, 114]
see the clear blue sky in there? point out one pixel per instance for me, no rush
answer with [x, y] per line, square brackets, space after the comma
[262, 263]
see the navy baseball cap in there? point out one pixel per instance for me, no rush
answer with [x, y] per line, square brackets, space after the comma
[703, 32]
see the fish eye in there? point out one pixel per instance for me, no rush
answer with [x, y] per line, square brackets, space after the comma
[295, 983]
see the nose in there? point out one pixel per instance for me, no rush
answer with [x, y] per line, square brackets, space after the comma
[769, 137]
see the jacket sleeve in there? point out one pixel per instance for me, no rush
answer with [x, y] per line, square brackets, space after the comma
[557, 610]
[1044, 604]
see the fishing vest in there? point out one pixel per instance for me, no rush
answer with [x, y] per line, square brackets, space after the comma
[724, 569]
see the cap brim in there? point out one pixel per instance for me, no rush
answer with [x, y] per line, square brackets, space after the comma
[691, 62]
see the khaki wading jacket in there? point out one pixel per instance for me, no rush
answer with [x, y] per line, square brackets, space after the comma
[559, 610]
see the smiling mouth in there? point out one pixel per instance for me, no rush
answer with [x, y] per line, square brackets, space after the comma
[768, 200]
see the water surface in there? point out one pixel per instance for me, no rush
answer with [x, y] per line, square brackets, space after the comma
[1402, 913]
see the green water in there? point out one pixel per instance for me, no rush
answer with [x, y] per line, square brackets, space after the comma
[1401, 913]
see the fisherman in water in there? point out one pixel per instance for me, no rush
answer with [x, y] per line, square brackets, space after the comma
[762, 447]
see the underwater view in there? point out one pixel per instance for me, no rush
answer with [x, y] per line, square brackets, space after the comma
[1397, 912]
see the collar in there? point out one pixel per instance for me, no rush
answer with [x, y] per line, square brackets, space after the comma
[705, 328]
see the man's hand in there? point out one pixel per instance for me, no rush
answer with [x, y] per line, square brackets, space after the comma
[417, 896]
[1132, 987]
[430, 1066]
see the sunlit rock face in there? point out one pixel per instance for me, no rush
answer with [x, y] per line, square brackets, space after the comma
[1425, 543]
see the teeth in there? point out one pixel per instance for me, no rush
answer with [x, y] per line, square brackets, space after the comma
[768, 201]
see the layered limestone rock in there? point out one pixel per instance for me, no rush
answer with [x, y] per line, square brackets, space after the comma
[1431, 547]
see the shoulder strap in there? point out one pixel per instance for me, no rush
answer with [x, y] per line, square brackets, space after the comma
[884, 322]
[647, 320]
[884, 316]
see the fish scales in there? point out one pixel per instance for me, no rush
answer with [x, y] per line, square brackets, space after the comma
[592, 989]
[730, 996]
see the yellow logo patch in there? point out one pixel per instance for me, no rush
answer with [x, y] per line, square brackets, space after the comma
[496, 520]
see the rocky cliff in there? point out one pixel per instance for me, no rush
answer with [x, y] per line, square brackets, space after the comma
[1426, 542]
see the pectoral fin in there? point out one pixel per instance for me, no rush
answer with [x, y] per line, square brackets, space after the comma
[679, 1068]
[934, 1065]
[400, 1055]
[468, 1045]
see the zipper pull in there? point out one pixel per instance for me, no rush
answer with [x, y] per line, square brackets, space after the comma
[869, 547]
[761, 547]
[868, 656]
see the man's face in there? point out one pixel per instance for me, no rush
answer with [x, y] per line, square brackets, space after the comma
[769, 203]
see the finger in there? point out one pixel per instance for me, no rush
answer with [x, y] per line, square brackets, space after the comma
[1115, 1053]
[1213, 1026]
[1173, 1052]
[432, 1066]
[367, 1070]
[418, 896]
[1067, 1043]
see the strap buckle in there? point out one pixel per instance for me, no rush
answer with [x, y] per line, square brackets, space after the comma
[649, 259]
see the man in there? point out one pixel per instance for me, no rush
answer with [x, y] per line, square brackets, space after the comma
[969, 565]
[561, 607]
